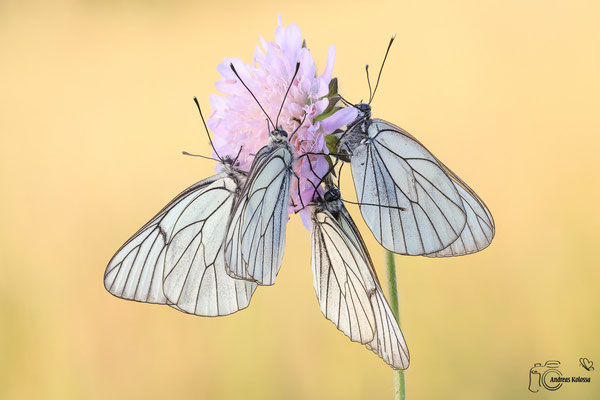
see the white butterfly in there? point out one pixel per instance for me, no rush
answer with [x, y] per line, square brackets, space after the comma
[256, 233]
[177, 258]
[347, 286]
[410, 200]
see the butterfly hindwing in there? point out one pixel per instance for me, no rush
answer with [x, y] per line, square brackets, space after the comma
[480, 228]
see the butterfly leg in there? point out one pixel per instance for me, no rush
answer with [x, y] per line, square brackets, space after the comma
[299, 194]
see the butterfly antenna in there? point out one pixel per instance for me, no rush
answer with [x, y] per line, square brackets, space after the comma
[315, 191]
[375, 205]
[250, 91]
[286, 93]
[316, 188]
[346, 102]
[206, 128]
[185, 153]
[238, 155]
[381, 69]
[299, 126]
[322, 178]
[369, 82]
[340, 175]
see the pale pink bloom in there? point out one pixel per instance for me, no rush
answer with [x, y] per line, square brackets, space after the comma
[238, 122]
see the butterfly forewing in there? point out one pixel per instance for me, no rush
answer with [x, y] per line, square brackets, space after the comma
[388, 342]
[348, 289]
[342, 290]
[408, 201]
[137, 270]
[256, 232]
[194, 276]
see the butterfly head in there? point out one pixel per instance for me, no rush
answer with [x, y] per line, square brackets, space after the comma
[228, 161]
[332, 194]
[278, 136]
[331, 200]
[364, 109]
[230, 166]
[363, 115]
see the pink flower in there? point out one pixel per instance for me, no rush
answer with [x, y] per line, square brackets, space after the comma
[238, 122]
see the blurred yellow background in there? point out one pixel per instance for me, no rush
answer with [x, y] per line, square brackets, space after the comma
[96, 106]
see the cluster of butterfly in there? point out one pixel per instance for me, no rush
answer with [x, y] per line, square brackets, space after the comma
[188, 258]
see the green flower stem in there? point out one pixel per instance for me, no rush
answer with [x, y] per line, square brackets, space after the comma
[393, 293]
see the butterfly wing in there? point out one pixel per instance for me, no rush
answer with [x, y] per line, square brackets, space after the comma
[195, 280]
[343, 292]
[480, 228]
[256, 232]
[136, 271]
[407, 199]
[348, 289]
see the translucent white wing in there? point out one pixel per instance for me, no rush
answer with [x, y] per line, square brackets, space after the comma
[388, 342]
[256, 232]
[136, 271]
[195, 280]
[480, 228]
[343, 292]
[348, 290]
[407, 199]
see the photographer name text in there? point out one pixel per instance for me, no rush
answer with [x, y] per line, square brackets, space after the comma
[570, 379]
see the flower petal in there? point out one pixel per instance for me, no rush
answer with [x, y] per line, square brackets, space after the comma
[339, 119]
[238, 122]
[329, 66]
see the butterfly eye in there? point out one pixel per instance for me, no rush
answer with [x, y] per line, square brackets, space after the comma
[332, 195]
[365, 108]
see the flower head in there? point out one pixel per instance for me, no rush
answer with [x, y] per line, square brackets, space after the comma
[238, 122]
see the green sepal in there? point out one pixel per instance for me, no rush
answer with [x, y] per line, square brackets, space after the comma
[333, 88]
[332, 142]
[332, 102]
